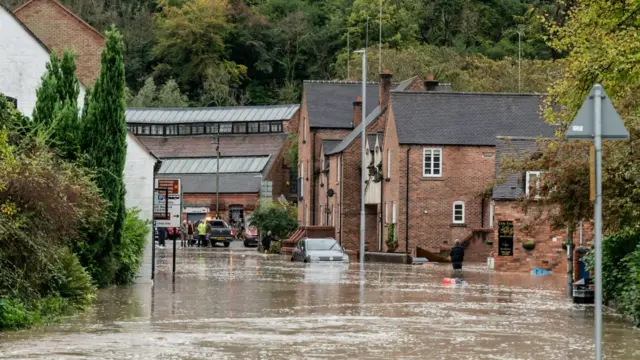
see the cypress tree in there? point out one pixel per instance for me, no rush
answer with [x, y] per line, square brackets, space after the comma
[103, 140]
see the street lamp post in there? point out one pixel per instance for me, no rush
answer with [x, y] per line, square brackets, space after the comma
[216, 141]
[364, 144]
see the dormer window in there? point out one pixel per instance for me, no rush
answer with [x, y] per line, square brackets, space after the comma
[533, 184]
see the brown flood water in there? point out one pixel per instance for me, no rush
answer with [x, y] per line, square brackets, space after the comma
[243, 305]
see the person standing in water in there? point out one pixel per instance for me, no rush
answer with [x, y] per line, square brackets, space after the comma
[457, 256]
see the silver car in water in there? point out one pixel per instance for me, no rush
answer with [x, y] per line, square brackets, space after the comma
[319, 250]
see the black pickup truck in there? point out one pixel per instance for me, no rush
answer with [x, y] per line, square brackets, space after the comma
[220, 232]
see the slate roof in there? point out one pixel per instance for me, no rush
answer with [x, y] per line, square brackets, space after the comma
[330, 103]
[352, 136]
[329, 145]
[201, 146]
[450, 118]
[513, 186]
[206, 184]
[210, 114]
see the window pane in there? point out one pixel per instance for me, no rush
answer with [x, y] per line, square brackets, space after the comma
[253, 127]
[157, 129]
[264, 127]
[197, 129]
[184, 130]
[171, 129]
[427, 162]
[225, 128]
[276, 127]
[211, 128]
[239, 128]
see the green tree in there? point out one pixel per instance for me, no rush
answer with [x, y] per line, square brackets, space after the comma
[104, 135]
[281, 220]
[168, 95]
[399, 27]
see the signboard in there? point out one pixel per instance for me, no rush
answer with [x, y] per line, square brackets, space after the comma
[505, 238]
[583, 126]
[195, 210]
[167, 203]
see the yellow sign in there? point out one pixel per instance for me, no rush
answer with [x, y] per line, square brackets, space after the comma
[592, 173]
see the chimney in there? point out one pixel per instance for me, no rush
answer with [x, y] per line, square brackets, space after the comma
[430, 84]
[357, 112]
[385, 88]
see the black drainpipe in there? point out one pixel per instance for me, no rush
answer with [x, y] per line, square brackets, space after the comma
[482, 212]
[381, 211]
[312, 170]
[339, 163]
[406, 210]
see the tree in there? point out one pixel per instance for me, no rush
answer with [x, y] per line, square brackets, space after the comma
[281, 220]
[399, 28]
[104, 135]
[168, 95]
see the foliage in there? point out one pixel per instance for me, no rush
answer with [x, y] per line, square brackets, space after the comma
[291, 153]
[130, 251]
[45, 205]
[529, 245]
[279, 219]
[168, 95]
[275, 247]
[104, 143]
[392, 241]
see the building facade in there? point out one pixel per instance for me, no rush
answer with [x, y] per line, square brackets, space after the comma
[251, 141]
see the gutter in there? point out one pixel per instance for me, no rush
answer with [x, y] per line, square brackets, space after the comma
[406, 210]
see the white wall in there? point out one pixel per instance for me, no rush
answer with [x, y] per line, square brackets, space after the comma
[22, 62]
[138, 179]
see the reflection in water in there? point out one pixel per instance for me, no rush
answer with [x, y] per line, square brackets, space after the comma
[252, 306]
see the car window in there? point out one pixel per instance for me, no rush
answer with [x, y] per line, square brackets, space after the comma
[301, 244]
[322, 244]
[218, 224]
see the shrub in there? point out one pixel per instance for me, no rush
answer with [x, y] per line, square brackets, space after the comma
[129, 253]
[275, 247]
[71, 281]
[279, 219]
[392, 242]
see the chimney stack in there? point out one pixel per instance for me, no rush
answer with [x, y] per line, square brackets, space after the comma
[430, 84]
[357, 112]
[385, 88]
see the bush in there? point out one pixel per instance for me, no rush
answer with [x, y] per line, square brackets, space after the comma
[275, 247]
[281, 220]
[129, 253]
[16, 314]
[72, 281]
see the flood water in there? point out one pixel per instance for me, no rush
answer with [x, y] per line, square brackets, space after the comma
[243, 305]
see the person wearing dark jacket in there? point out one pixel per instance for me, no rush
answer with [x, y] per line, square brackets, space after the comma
[266, 242]
[457, 255]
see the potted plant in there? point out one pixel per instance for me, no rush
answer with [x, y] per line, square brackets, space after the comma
[529, 245]
[392, 242]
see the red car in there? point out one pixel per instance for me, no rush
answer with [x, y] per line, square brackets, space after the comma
[251, 236]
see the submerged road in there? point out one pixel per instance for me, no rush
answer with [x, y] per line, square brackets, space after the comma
[235, 304]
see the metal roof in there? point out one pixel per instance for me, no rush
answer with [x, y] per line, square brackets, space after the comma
[211, 114]
[227, 183]
[232, 165]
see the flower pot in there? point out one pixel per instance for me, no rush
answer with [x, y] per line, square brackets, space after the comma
[529, 245]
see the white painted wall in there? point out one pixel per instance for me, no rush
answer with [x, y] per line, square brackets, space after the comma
[22, 62]
[138, 179]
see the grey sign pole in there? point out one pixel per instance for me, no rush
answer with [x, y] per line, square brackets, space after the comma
[597, 218]
[597, 119]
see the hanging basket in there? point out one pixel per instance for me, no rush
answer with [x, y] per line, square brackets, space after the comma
[529, 245]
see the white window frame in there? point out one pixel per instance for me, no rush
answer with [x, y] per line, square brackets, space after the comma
[393, 217]
[321, 215]
[339, 172]
[333, 217]
[386, 212]
[424, 168]
[527, 187]
[388, 163]
[456, 203]
[302, 178]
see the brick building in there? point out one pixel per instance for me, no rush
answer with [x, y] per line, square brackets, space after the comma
[327, 117]
[251, 140]
[506, 213]
[59, 29]
[439, 163]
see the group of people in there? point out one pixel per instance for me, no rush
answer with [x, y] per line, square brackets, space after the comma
[194, 234]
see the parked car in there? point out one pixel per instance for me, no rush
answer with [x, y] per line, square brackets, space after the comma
[318, 250]
[220, 232]
[250, 236]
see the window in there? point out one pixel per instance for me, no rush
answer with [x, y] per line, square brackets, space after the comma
[388, 163]
[276, 127]
[432, 164]
[211, 129]
[225, 128]
[239, 128]
[264, 127]
[254, 127]
[144, 129]
[333, 216]
[184, 130]
[458, 212]
[293, 180]
[304, 129]
[393, 215]
[197, 129]
[171, 130]
[321, 215]
[386, 212]
[157, 130]
[533, 184]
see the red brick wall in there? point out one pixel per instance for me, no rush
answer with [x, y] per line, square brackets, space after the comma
[548, 254]
[248, 201]
[391, 184]
[60, 29]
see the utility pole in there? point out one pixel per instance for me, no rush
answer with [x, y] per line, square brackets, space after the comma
[348, 56]
[520, 34]
[380, 42]
[216, 141]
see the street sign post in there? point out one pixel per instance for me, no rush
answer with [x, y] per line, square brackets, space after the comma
[597, 119]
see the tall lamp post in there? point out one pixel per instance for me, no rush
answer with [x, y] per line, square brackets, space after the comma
[216, 141]
[364, 144]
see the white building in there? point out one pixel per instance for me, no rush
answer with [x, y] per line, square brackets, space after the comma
[139, 182]
[23, 59]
